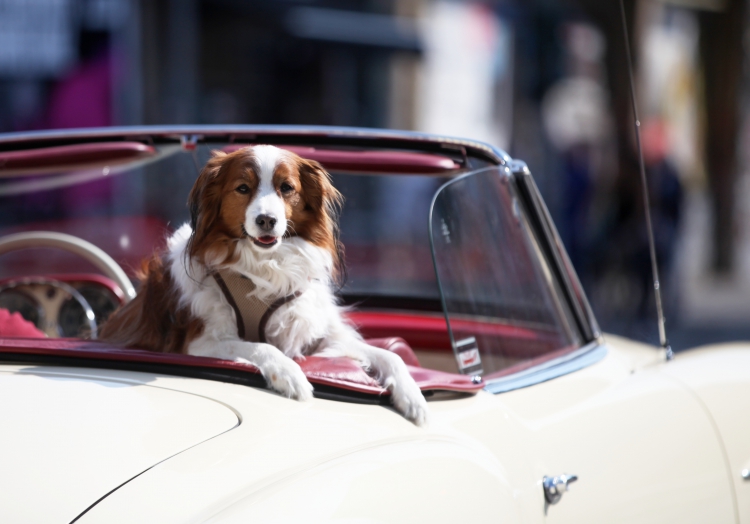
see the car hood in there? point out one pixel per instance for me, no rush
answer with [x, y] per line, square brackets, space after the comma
[69, 440]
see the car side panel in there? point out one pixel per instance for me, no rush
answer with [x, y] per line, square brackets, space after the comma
[643, 448]
[69, 436]
[720, 378]
[335, 461]
[418, 481]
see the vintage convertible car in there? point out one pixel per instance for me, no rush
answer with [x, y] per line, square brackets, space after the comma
[453, 263]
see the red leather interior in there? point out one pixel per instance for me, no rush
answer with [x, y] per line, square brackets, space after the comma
[419, 331]
[398, 346]
[429, 331]
[342, 373]
[371, 161]
[75, 156]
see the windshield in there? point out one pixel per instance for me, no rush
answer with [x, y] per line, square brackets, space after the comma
[502, 305]
[128, 210]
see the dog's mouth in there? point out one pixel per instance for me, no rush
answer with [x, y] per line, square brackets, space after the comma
[265, 241]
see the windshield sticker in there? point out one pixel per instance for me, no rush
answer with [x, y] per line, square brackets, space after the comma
[467, 355]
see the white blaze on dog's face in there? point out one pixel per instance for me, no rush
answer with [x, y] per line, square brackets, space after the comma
[266, 216]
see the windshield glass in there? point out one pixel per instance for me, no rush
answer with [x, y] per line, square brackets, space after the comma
[503, 307]
[128, 210]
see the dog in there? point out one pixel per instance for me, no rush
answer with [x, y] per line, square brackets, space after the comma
[263, 223]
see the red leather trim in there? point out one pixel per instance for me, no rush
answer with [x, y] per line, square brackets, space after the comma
[371, 161]
[338, 372]
[87, 278]
[73, 156]
[341, 372]
[398, 346]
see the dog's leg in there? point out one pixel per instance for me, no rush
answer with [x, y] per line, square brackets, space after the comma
[281, 372]
[390, 371]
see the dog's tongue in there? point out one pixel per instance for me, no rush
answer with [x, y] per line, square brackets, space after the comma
[267, 239]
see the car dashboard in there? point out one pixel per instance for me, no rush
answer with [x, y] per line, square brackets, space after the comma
[57, 304]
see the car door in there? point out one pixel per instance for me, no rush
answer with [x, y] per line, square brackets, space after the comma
[642, 447]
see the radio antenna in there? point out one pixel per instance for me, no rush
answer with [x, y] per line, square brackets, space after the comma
[646, 203]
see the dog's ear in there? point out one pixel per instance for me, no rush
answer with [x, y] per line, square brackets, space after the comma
[204, 203]
[325, 202]
[193, 214]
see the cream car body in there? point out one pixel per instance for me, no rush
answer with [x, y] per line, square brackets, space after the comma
[649, 441]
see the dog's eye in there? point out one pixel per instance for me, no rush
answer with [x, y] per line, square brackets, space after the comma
[244, 189]
[286, 188]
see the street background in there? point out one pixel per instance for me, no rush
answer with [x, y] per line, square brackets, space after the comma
[545, 80]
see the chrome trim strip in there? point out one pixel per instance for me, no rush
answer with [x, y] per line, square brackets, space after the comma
[579, 359]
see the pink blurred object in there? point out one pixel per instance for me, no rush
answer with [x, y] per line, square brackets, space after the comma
[14, 325]
[83, 98]
[655, 138]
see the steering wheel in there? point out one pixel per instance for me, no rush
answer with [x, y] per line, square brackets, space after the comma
[77, 246]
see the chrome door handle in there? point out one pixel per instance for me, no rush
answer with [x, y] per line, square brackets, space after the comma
[554, 487]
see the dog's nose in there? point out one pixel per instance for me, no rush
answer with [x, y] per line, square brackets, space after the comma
[265, 222]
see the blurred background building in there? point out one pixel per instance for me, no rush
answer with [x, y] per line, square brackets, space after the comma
[544, 79]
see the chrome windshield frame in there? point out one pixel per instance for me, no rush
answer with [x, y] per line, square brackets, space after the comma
[556, 254]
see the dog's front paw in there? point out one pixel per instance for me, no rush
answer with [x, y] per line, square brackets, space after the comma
[286, 377]
[408, 400]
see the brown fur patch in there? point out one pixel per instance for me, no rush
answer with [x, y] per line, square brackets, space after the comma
[153, 319]
[314, 215]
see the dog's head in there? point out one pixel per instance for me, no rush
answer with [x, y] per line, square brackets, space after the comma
[261, 194]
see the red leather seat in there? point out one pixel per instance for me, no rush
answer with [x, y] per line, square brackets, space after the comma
[398, 346]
